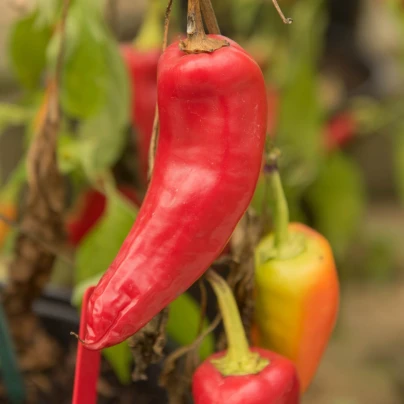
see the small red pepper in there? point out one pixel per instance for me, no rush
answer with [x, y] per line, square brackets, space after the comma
[213, 114]
[141, 61]
[242, 375]
[340, 130]
[142, 68]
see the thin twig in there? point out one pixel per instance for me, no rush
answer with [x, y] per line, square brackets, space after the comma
[156, 125]
[209, 17]
[280, 12]
[172, 358]
[52, 249]
[32, 263]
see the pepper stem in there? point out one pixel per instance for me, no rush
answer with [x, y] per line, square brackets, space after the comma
[281, 221]
[197, 41]
[286, 246]
[239, 360]
[150, 34]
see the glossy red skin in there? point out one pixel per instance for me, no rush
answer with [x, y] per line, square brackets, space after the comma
[142, 69]
[340, 131]
[213, 114]
[92, 209]
[278, 383]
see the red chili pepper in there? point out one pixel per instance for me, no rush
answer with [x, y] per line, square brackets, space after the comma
[89, 210]
[340, 131]
[242, 375]
[141, 59]
[213, 114]
[142, 69]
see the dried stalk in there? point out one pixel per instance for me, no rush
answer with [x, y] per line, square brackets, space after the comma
[54, 249]
[42, 219]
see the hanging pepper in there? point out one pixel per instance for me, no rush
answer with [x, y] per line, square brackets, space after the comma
[297, 289]
[213, 112]
[89, 209]
[340, 130]
[242, 375]
[141, 59]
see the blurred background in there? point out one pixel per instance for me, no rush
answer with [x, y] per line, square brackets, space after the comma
[335, 82]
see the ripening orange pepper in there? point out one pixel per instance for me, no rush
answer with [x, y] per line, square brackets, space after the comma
[297, 290]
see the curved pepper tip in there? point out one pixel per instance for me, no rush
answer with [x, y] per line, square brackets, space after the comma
[92, 345]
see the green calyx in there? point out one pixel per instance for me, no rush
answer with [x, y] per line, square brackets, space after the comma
[295, 245]
[239, 360]
[150, 35]
[250, 364]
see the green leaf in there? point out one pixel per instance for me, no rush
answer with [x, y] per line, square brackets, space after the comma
[101, 245]
[81, 287]
[85, 74]
[337, 199]
[11, 114]
[103, 136]
[183, 323]
[120, 359]
[27, 48]
[48, 11]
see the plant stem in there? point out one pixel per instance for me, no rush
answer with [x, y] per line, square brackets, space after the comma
[239, 359]
[281, 220]
[236, 338]
[197, 41]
